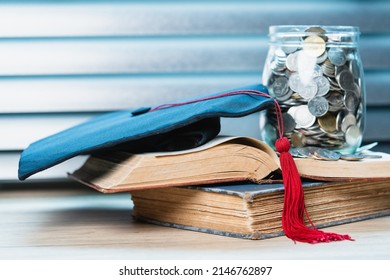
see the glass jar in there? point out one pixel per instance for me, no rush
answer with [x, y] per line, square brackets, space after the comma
[316, 75]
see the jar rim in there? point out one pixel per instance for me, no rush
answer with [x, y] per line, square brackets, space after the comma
[302, 29]
[342, 36]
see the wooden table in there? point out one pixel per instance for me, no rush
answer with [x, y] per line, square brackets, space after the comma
[68, 221]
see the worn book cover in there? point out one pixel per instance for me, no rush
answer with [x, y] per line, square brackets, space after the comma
[254, 211]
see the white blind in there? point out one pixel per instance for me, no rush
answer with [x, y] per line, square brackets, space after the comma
[63, 62]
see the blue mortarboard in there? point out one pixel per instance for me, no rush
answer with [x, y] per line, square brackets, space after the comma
[181, 125]
[175, 126]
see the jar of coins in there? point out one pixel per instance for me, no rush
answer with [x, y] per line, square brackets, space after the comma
[316, 75]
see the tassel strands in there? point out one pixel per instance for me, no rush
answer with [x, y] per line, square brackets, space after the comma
[294, 208]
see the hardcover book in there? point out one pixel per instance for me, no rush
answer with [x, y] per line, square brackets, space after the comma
[254, 211]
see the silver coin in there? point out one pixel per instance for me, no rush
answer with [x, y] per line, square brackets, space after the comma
[291, 111]
[322, 58]
[337, 56]
[323, 85]
[336, 101]
[308, 91]
[346, 80]
[294, 152]
[279, 87]
[288, 122]
[339, 119]
[370, 156]
[353, 135]
[352, 157]
[303, 117]
[318, 106]
[317, 71]
[326, 154]
[285, 97]
[328, 68]
[354, 68]
[339, 69]
[305, 152]
[348, 120]
[291, 62]
[294, 82]
[351, 101]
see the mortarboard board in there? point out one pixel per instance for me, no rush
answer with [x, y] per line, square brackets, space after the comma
[191, 124]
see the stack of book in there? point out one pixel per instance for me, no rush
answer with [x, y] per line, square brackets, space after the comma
[232, 186]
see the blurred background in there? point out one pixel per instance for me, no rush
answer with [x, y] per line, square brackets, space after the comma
[63, 62]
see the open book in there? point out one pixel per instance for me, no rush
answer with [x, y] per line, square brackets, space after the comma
[224, 159]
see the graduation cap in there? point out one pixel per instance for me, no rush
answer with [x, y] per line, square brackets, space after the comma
[180, 125]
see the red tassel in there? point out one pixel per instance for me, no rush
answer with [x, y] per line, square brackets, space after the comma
[294, 209]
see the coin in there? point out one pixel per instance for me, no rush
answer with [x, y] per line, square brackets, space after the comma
[294, 152]
[303, 117]
[337, 56]
[351, 101]
[328, 68]
[280, 87]
[327, 122]
[353, 135]
[308, 91]
[291, 62]
[297, 139]
[322, 58]
[314, 46]
[371, 156]
[352, 157]
[318, 106]
[288, 122]
[323, 85]
[336, 101]
[291, 111]
[339, 69]
[354, 68]
[286, 96]
[348, 120]
[317, 71]
[315, 30]
[294, 82]
[346, 80]
[326, 154]
[305, 152]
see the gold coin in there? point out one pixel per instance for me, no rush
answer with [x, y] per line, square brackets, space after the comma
[327, 122]
[314, 46]
[297, 139]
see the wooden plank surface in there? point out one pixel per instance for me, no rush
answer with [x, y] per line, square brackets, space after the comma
[62, 221]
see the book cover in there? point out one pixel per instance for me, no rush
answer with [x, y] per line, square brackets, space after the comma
[254, 211]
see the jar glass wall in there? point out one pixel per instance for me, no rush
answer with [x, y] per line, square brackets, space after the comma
[316, 75]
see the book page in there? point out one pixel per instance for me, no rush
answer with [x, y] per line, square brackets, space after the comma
[220, 140]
